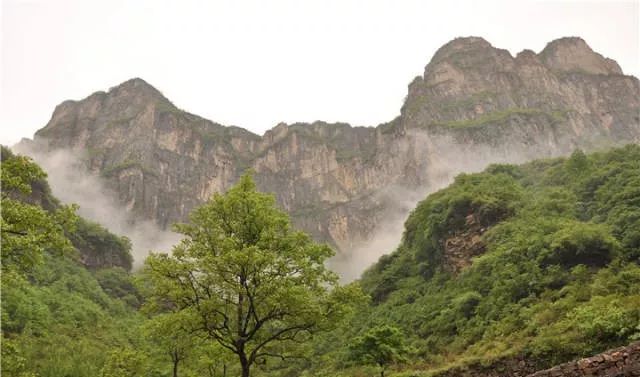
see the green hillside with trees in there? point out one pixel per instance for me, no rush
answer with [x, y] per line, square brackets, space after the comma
[551, 270]
[539, 260]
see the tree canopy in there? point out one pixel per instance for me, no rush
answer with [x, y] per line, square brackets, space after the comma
[251, 283]
[381, 345]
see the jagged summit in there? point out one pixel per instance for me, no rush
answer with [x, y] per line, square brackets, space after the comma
[136, 86]
[124, 102]
[568, 54]
[461, 44]
[574, 54]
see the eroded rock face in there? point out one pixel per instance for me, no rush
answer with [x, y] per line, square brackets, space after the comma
[474, 105]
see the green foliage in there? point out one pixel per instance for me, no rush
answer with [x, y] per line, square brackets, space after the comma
[248, 282]
[167, 331]
[125, 362]
[61, 321]
[581, 243]
[13, 363]
[487, 198]
[117, 283]
[381, 345]
[101, 248]
[558, 279]
[28, 230]
[56, 319]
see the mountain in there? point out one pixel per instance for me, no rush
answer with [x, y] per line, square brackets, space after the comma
[474, 105]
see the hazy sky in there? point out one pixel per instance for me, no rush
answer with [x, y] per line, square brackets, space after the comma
[257, 63]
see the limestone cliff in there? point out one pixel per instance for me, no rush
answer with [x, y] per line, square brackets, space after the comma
[475, 104]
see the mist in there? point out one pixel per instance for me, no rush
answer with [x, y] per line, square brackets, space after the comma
[444, 159]
[441, 156]
[71, 183]
[386, 236]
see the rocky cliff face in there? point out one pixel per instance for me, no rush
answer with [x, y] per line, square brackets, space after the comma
[474, 105]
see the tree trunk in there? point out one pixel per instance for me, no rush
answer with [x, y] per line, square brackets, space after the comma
[176, 359]
[244, 363]
[381, 372]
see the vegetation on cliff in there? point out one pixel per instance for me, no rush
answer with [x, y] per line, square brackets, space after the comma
[58, 318]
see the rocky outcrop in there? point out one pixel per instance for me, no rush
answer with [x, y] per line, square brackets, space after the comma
[573, 54]
[474, 105]
[463, 245]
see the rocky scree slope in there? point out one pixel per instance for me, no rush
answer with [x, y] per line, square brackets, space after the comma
[474, 105]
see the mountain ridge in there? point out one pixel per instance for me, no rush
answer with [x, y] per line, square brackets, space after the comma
[474, 105]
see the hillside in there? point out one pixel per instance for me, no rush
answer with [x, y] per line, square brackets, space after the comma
[510, 271]
[475, 104]
[504, 272]
[67, 296]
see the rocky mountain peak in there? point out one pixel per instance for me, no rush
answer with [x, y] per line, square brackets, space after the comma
[461, 62]
[574, 54]
[461, 45]
[121, 104]
[137, 87]
[475, 105]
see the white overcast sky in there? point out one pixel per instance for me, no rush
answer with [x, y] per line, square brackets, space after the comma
[256, 63]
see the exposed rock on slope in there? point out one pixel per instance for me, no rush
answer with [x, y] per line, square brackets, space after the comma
[475, 104]
[463, 245]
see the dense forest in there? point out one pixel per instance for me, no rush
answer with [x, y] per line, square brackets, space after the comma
[538, 261]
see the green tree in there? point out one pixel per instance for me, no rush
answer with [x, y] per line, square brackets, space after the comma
[167, 332]
[256, 287]
[382, 345]
[124, 362]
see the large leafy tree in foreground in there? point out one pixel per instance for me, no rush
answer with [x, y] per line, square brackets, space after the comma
[248, 281]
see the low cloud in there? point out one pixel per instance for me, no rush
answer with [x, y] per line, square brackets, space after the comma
[445, 159]
[443, 156]
[71, 183]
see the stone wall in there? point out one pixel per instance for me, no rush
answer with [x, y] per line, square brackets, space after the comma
[618, 362]
[623, 361]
